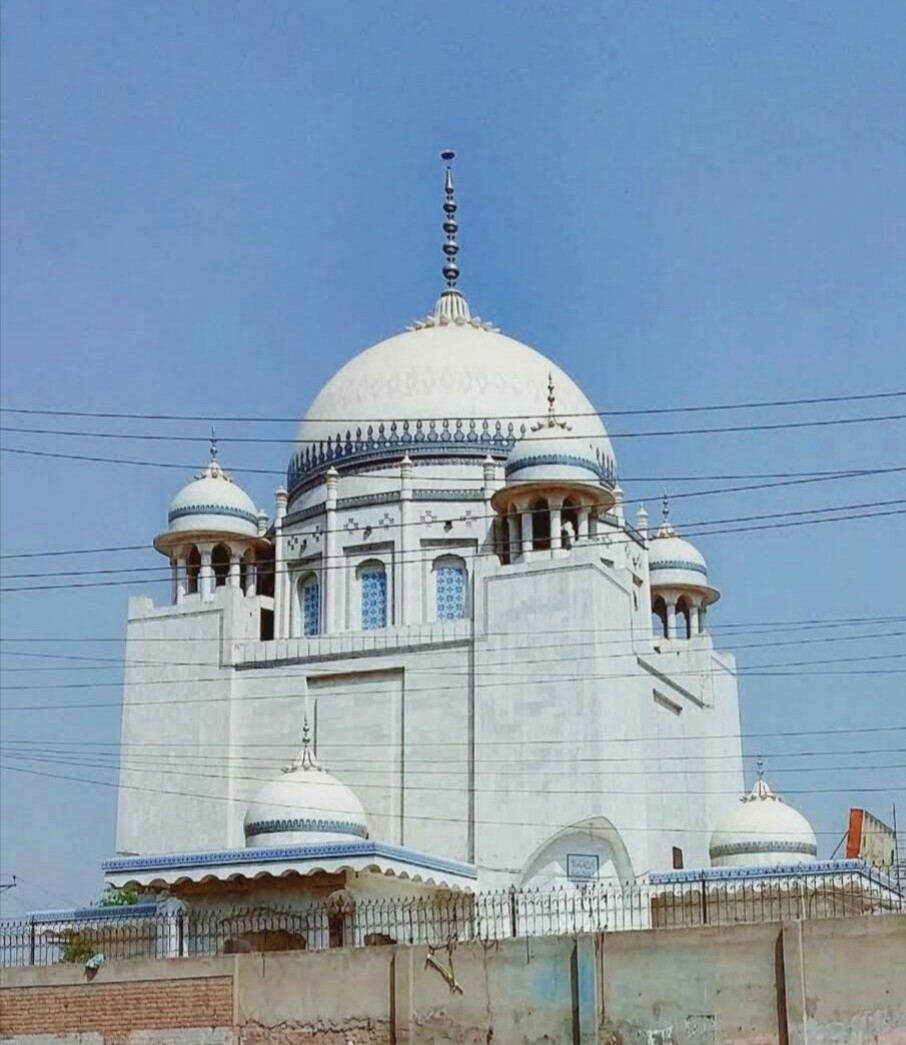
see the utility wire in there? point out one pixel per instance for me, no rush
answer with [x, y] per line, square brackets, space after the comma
[766, 627]
[120, 786]
[761, 671]
[240, 418]
[150, 761]
[323, 562]
[281, 472]
[631, 646]
[776, 426]
[432, 788]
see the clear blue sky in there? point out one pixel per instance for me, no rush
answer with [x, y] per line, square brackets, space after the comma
[208, 207]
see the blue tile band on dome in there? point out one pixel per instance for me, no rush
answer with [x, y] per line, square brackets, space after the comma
[276, 827]
[272, 854]
[741, 848]
[678, 564]
[454, 437]
[212, 509]
[563, 460]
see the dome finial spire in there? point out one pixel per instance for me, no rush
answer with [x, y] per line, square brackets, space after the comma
[665, 508]
[451, 247]
[305, 759]
[213, 450]
[551, 400]
[759, 762]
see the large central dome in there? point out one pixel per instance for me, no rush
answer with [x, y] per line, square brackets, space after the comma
[448, 378]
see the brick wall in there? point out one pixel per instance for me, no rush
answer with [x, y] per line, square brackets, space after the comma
[114, 1011]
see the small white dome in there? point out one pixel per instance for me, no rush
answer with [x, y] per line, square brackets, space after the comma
[548, 455]
[674, 562]
[305, 805]
[212, 502]
[762, 830]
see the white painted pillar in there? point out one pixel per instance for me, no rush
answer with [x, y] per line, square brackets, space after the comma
[701, 619]
[694, 626]
[281, 574]
[181, 579]
[512, 522]
[331, 573]
[671, 619]
[233, 578]
[527, 530]
[251, 578]
[408, 566]
[582, 518]
[556, 517]
[206, 575]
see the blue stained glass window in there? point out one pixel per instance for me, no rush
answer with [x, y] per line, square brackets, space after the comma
[311, 607]
[374, 598]
[451, 592]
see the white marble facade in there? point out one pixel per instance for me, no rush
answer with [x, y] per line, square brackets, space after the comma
[449, 588]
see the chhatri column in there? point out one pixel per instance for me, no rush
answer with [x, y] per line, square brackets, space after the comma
[408, 565]
[582, 519]
[181, 585]
[671, 619]
[512, 524]
[527, 530]
[281, 576]
[331, 571]
[206, 575]
[694, 628]
[556, 516]
[234, 568]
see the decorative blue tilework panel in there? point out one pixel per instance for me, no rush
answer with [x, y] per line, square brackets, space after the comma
[451, 592]
[374, 599]
[311, 607]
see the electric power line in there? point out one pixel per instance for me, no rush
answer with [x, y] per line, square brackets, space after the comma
[294, 441]
[246, 419]
[120, 786]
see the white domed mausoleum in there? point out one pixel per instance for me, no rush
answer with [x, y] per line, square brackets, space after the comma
[449, 592]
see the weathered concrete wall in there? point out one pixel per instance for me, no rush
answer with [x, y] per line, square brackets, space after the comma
[835, 982]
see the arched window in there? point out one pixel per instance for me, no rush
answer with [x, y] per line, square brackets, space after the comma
[220, 564]
[659, 618]
[373, 591]
[683, 630]
[193, 569]
[541, 525]
[310, 604]
[450, 579]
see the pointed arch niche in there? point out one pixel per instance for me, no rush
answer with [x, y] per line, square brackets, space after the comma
[592, 847]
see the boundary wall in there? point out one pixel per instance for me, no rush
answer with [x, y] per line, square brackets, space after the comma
[834, 982]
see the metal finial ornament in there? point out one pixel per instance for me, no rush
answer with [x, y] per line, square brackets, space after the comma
[306, 759]
[213, 444]
[760, 765]
[551, 399]
[665, 509]
[451, 247]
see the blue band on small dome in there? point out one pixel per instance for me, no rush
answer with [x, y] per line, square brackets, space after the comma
[211, 509]
[566, 460]
[740, 848]
[679, 564]
[276, 827]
